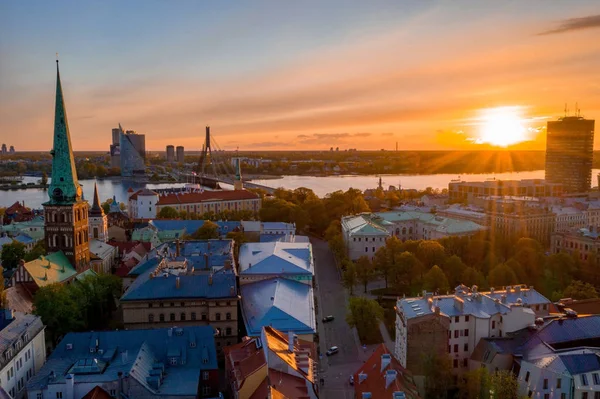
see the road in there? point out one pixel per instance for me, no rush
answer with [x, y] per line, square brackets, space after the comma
[332, 300]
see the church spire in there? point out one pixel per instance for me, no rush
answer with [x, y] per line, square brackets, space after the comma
[64, 187]
[96, 209]
[237, 182]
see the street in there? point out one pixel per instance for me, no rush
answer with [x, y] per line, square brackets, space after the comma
[332, 300]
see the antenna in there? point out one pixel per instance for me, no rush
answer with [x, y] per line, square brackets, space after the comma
[565, 109]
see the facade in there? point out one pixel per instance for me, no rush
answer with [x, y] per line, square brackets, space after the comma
[569, 153]
[45, 270]
[584, 242]
[142, 204]
[103, 256]
[98, 221]
[382, 376]
[170, 153]
[465, 191]
[133, 153]
[364, 234]
[66, 213]
[569, 218]
[456, 323]
[516, 220]
[22, 349]
[160, 363]
[115, 149]
[185, 284]
[180, 154]
[210, 201]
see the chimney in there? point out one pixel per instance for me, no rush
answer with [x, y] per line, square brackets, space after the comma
[210, 276]
[177, 282]
[70, 386]
[227, 265]
[231, 291]
[390, 376]
[177, 248]
[291, 341]
[386, 359]
[120, 386]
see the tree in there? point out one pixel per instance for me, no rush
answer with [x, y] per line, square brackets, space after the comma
[38, 250]
[11, 254]
[365, 314]
[338, 247]
[472, 276]
[531, 262]
[168, 212]
[238, 238]
[44, 180]
[349, 275]
[365, 271]
[3, 300]
[561, 267]
[475, 384]
[580, 290]
[430, 253]
[95, 295]
[503, 384]
[454, 267]
[383, 262]
[58, 309]
[502, 275]
[207, 231]
[101, 171]
[435, 280]
[437, 371]
[406, 269]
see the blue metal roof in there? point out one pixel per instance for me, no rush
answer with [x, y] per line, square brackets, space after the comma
[272, 237]
[190, 226]
[528, 296]
[138, 354]
[481, 306]
[570, 329]
[144, 266]
[24, 239]
[276, 258]
[280, 303]
[581, 363]
[278, 226]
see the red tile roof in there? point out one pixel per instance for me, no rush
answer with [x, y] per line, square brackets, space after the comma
[376, 378]
[194, 198]
[289, 386]
[244, 359]
[97, 393]
[125, 247]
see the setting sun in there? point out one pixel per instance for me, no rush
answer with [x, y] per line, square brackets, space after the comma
[501, 126]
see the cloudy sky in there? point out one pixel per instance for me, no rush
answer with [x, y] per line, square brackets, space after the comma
[281, 75]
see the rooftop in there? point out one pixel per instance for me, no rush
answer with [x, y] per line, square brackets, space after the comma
[49, 269]
[276, 258]
[101, 249]
[283, 304]
[14, 325]
[205, 196]
[148, 356]
[299, 359]
[190, 226]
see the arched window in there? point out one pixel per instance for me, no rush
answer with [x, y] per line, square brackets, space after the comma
[172, 317]
[161, 317]
[54, 239]
[397, 231]
[150, 318]
[410, 230]
[403, 230]
[218, 316]
[228, 316]
[95, 232]
[182, 316]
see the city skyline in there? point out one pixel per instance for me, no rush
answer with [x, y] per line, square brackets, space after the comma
[363, 76]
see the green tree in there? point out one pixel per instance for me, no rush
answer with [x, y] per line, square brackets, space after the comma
[561, 267]
[475, 384]
[207, 231]
[58, 309]
[435, 280]
[101, 171]
[95, 295]
[365, 314]
[38, 250]
[430, 253]
[385, 258]
[437, 371]
[365, 271]
[168, 212]
[349, 275]
[502, 275]
[406, 269]
[454, 267]
[11, 254]
[338, 247]
[44, 179]
[503, 384]
[531, 262]
[472, 276]
[580, 290]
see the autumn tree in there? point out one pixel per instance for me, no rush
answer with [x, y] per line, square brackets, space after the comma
[168, 212]
[435, 280]
[454, 267]
[502, 275]
[349, 275]
[430, 253]
[365, 271]
[406, 269]
[580, 290]
[208, 230]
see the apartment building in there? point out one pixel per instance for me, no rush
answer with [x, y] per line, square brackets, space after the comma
[462, 190]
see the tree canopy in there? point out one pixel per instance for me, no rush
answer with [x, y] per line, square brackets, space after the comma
[11, 254]
[365, 314]
[168, 212]
[207, 231]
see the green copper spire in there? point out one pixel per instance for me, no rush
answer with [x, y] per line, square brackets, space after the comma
[64, 187]
[238, 170]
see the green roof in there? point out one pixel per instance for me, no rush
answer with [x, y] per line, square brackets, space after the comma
[50, 269]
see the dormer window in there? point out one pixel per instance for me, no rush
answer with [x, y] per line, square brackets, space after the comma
[173, 361]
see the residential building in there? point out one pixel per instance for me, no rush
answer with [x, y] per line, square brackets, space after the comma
[382, 376]
[142, 204]
[464, 191]
[158, 363]
[170, 153]
[102, 256]
[455, 324]
[171, 229]
[187, 283]
[436, 200]
[98, 221]
[17, 212]
[180, 154]
[65, 213]
[265, 260]
[132, 153]
[583, 242]
[115, 149]
[284, 304]
[569, 217]
[45, 270]
[209, 201]
[23, 350]
[514, 220]
[364, 234]
[569, 153]
[245, 367]
[278, 228]
[33, 228]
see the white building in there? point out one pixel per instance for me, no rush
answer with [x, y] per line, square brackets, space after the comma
[22, 350]
[263, 260]
[278, 228]
[103, 256]
[142, 204]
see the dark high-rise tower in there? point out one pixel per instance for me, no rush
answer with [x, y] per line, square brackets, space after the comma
[66, 213]
[569, 153]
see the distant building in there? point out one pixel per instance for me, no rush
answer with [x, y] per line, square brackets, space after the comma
[170, 153]
[23, 349]
[12, 150]
[512, 219]
[102, 256]
[142, 204]
[180, 154]
[210, 201]
[264, 260]
[160, 363]
[133, 154]
[115, 149]
[569, 153]
[465, 191]
[382, 376]
[98, 221]
[585, 242]
[17, 212]
[4, 151]
[45, 270]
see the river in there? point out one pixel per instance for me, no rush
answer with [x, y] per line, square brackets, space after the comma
[322, 185]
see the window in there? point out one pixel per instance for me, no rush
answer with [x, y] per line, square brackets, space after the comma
[205, 390]
[228, 316]
[172, 317]
[546, 396]
[228, 331]
[205, 375]
[596, 379]
[173, 361]
[563, 396]
[584, 380]
[40, 396]
[150, 318]
[527, 378]
[193, 315]
[466, 362]
[466, 332]
[366, 249]
[456, 318]
[182, 304]
[172, 304]
[204, 316]
[584, 395]
[455, 333]
[493, 324]
[218, 316]
[161, 317]
[58, 395]
[455, 348]
[449, 349]
[466, 348]
[162, 304]
[467, 318]
[449, 334]
[113, 393]
[182, 316]
[596, 395]
[545, 383]
[558, 383]
[455, 363]
[373, 249]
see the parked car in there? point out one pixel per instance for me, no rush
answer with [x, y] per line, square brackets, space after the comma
[332, 351]
[327, 319]
[351, 380]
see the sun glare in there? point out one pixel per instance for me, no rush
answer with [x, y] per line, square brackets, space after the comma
[501, 126]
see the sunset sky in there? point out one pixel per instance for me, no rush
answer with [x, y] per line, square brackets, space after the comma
[281, 75]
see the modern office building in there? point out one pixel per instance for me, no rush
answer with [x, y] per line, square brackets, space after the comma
[170, 153]
[133, 153]
[569, 153]
[12, 149]
[4, 151]
[180, 154]
[115, 149]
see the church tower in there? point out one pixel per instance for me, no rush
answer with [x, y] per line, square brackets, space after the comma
[66, 213]
[98, 219]
[238, 184]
